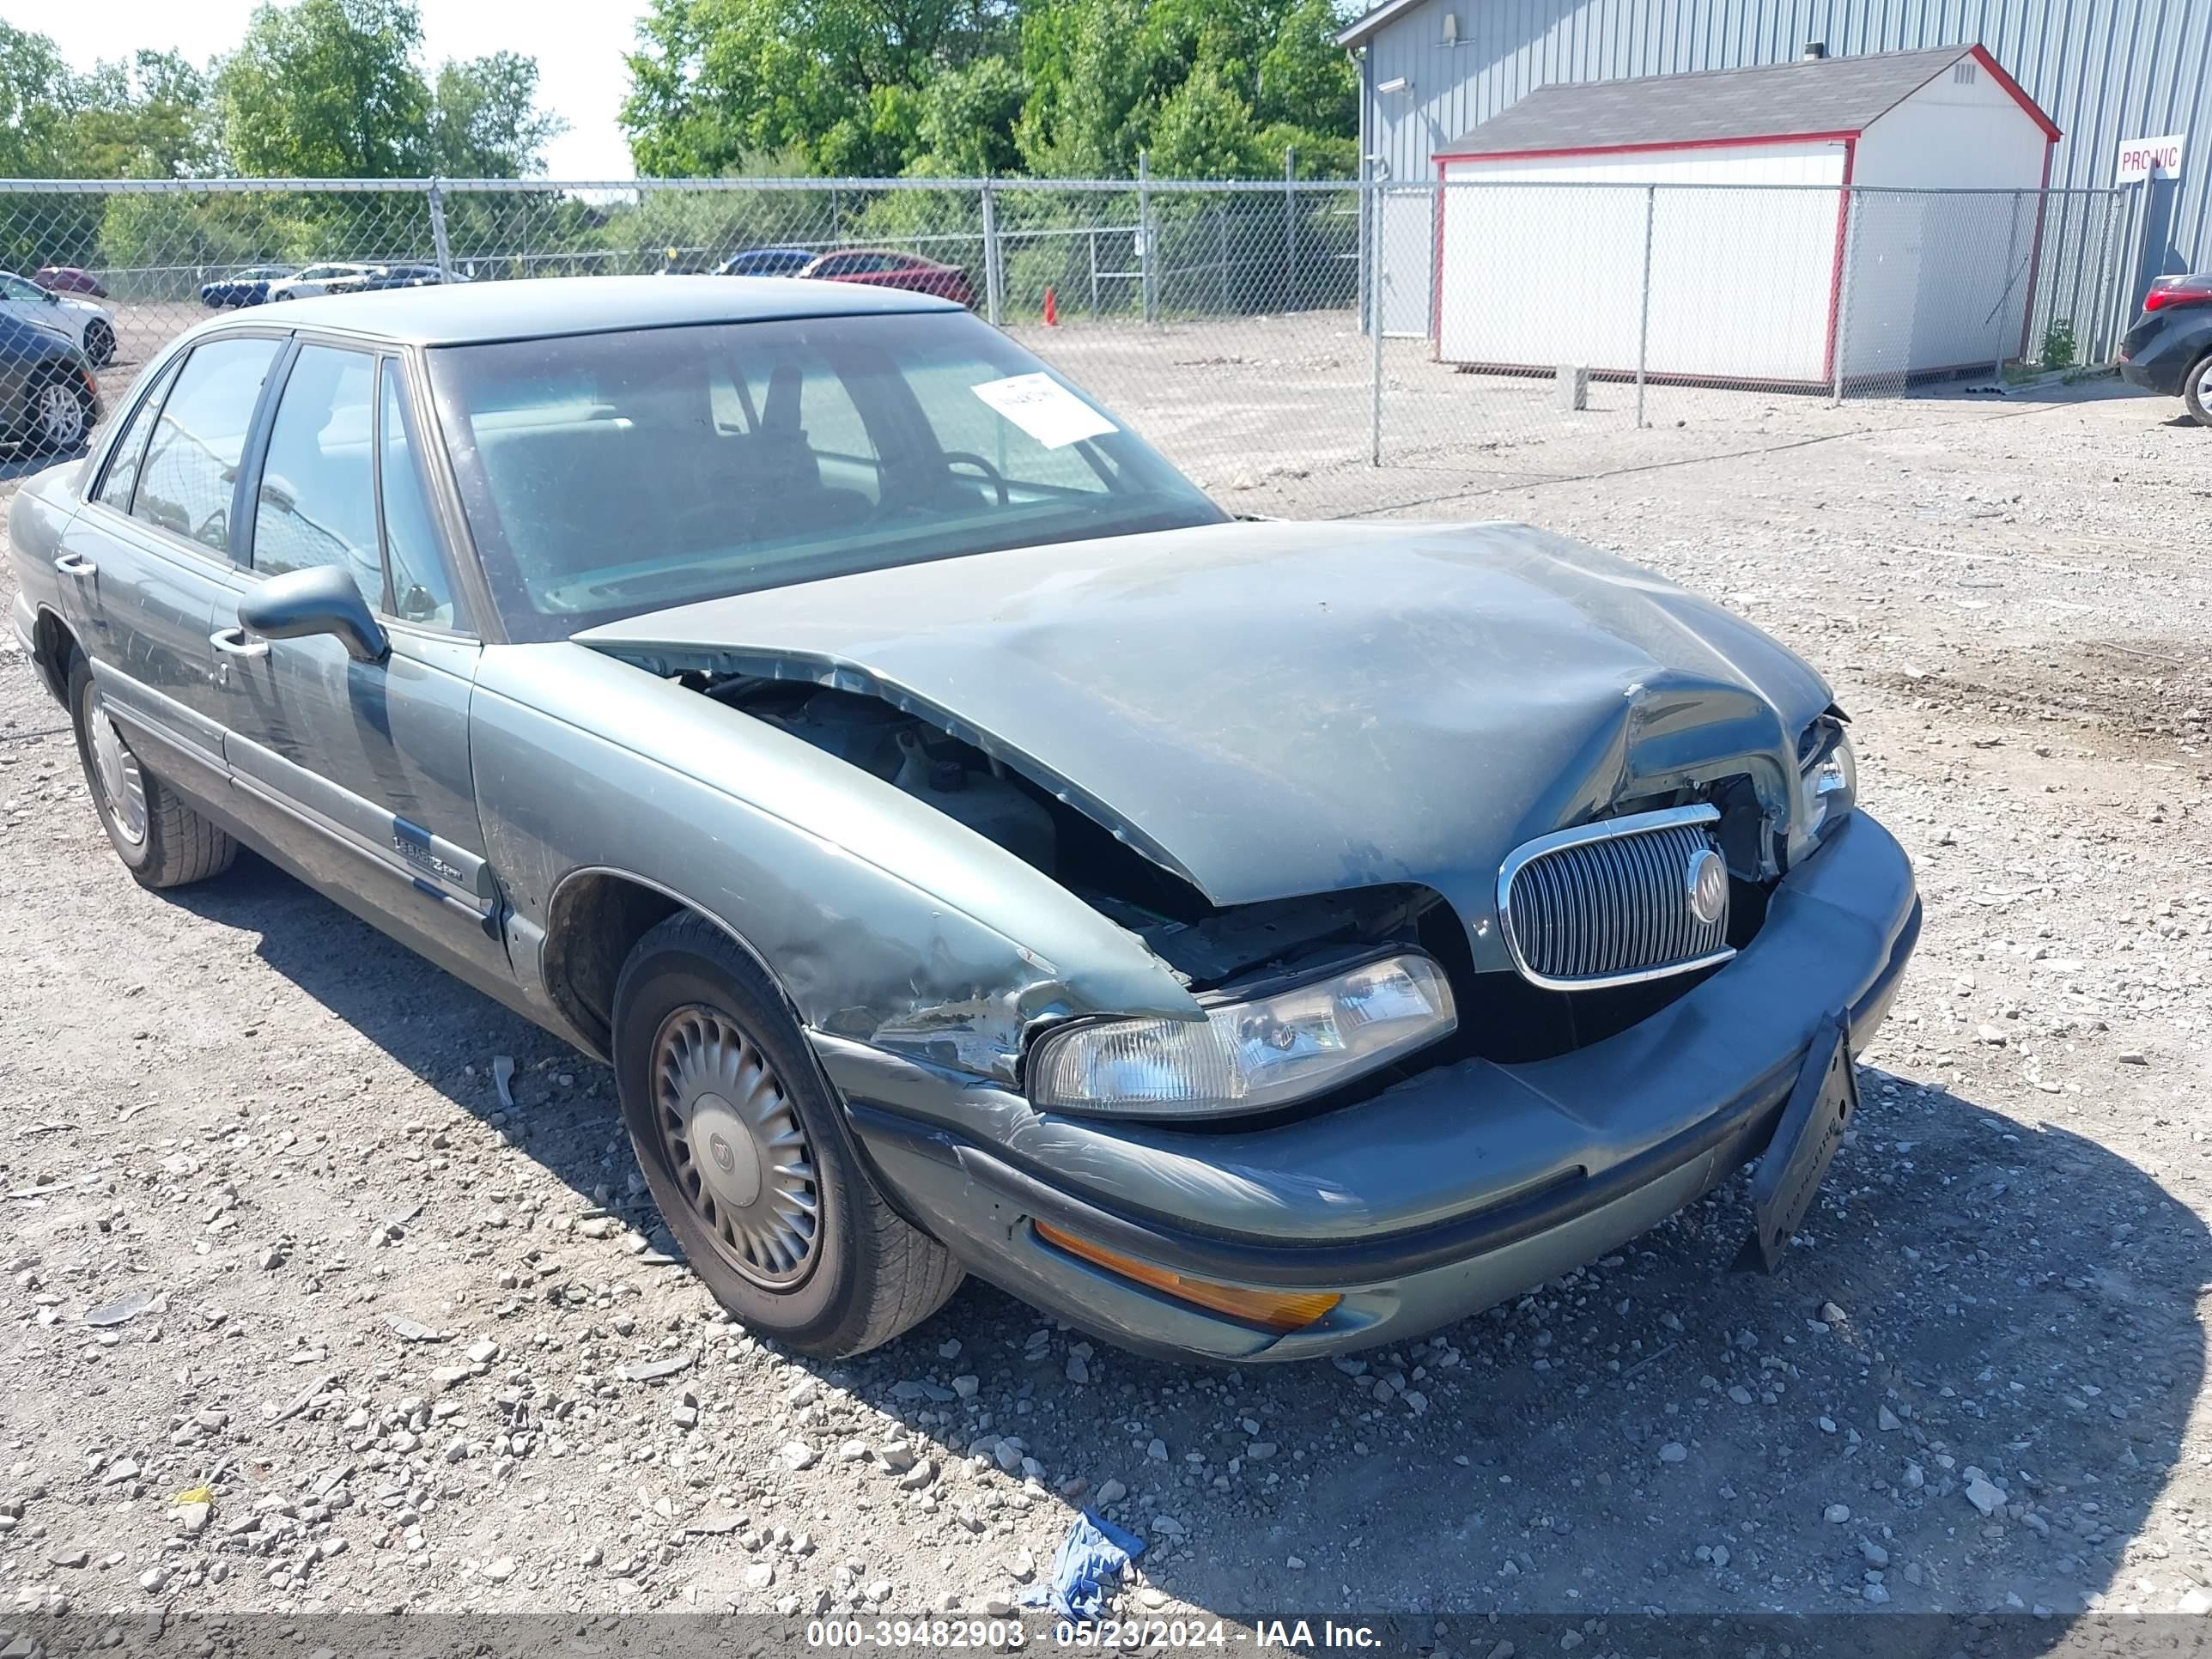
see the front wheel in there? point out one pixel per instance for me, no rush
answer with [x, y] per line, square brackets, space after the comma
[60, 417]
[748, 1157]
[2197, 391]
[98, 344]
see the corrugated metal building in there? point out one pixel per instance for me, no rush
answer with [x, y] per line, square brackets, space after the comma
[2103, 69]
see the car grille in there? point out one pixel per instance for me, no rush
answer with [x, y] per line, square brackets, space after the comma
[1608, 903]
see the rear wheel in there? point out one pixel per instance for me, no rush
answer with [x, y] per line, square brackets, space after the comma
[748, 1157]
[99, 343]
[2197, 391]
[160, 840]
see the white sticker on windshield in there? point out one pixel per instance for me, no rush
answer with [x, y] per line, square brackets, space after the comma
[1044, 408]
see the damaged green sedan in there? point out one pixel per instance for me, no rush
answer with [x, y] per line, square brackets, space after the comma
[974, 849]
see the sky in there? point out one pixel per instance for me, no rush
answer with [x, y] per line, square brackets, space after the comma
[579, 45]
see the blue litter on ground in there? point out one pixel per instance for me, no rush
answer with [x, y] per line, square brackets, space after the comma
[1092, 1559]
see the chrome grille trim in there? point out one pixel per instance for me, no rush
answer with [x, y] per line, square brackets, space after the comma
[1608, 903]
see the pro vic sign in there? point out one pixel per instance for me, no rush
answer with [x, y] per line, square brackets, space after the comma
[2150, 158]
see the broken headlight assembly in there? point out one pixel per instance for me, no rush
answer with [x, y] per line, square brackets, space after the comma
[1249, 1054]
[1830, 785]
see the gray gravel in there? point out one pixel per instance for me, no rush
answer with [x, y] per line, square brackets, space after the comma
[303, 1315]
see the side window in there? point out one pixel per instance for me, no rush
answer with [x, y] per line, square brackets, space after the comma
[192, 462]
[317, 503]
[14, 287]
[421, 582]
[131, 448]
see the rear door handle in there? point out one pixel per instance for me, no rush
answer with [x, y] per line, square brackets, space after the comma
[232, 642]
[75, 564]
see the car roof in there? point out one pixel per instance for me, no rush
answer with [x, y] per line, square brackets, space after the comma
[473, 313]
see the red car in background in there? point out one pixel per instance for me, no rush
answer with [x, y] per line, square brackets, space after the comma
[885, 268]
[69, 279]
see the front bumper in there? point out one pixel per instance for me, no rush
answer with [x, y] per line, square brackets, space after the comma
[1442, 1195]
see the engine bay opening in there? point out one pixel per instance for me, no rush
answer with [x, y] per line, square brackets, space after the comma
[1205, 945]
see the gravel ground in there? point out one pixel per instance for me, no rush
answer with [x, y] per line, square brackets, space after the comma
[303, 1315]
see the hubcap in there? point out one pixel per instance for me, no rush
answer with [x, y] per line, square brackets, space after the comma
[61, 418]
[734, 1140]
[122, 785]
[2205, 384]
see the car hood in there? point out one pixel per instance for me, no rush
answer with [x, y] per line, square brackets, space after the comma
[1273, 709]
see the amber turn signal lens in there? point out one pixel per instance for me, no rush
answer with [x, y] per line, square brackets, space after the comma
[1280, 1311]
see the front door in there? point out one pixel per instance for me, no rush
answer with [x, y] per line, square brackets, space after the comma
[360, 770]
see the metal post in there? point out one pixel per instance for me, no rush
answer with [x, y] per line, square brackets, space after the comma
[2004, 298]
[2139, 278]
[993, 278]
[437, 199]
[1375, 323]
[1289, 226]
[1643, 320]
[1221, 244]
[1144, 271]
[1844, 294]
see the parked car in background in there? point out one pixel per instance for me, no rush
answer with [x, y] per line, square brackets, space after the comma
[49, 399]
[975, 849]
[767, 262]
[2169, 350]
[90, 327]
[388, 277]
[249, 287]
[315, 280]
[887, 268]
[70, 279]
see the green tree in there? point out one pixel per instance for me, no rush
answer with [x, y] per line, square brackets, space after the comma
[717, 82]
[485, 118]
[150, 119]
[37, 96]
[1205, 130]
[1305, 80]
[968, 119]
[327, 90]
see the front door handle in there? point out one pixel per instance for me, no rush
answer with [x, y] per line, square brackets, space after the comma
[75, 564]
[232, 642]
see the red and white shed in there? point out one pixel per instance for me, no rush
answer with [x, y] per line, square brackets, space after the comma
[1756, 285]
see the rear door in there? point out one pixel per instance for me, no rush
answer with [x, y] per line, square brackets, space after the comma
[360, 769]
[146, 561]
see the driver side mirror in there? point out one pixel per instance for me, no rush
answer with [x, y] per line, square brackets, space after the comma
[322, 599]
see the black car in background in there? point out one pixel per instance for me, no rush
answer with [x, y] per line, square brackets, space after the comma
[249, 287]
[2169, 350]
[49, 400]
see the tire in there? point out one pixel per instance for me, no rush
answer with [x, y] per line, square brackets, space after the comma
[2197, 391]
[173, 845]
[99, 343]
[59, 416]
[776, 1214]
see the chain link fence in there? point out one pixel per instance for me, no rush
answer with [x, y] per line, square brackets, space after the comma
[1518, 325]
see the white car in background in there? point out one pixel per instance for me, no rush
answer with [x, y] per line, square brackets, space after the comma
[89, 327]
[317, 280]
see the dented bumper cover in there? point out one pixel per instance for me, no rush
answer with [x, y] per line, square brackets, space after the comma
[1443, 1194]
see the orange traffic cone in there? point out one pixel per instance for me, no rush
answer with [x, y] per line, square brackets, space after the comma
[1051, 311]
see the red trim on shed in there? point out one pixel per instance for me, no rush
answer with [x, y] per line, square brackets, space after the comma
[1980, 54]
[1836, 268]
[2035, 249]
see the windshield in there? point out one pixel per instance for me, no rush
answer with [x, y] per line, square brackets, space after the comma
[605, 474]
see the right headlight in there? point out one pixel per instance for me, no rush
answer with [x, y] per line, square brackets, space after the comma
[1831, 787]
[1249, 1055]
